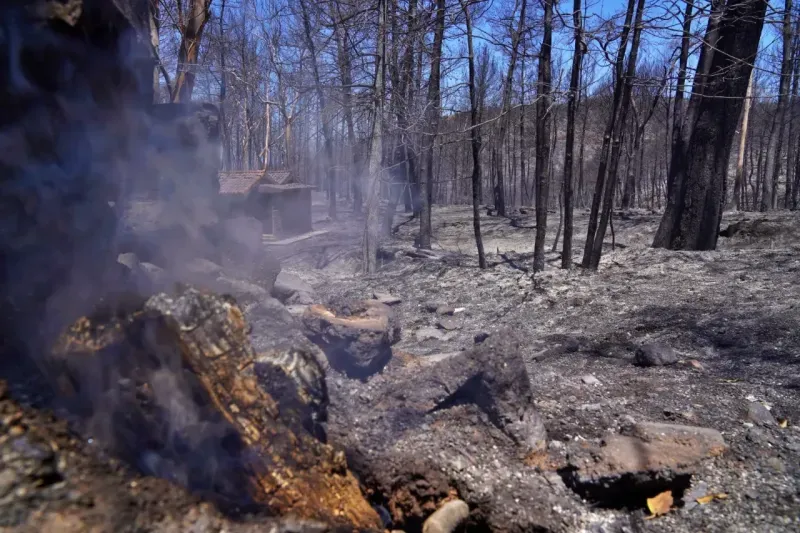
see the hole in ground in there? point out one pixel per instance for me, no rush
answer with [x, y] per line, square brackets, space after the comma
[627, 491]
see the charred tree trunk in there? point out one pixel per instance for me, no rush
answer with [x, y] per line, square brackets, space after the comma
[499, 186]
[475, 141]
[325, 119]
[572, 106]
[432, 120]
[694, 209]
[345, 71]
[543, 125]
[191, 25]
[608, 199]
[779, 124]
[372, 225]
[607, 136]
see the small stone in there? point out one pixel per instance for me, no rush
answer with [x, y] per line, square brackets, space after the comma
[655, 354]
[591, 407]
[776, 464]
[448, 324]
[480, 337]
[756, 412]
[447, 518]
[424, 334]
[697, 491]
[695, 365]
[446, 310]
[555, 445]
[589, 379]
[431, 307]
[129, 260]
[386, 298]
[751, 494]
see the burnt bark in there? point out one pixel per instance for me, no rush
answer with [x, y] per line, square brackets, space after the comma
[694, 208]
[432, 114]
[192, 23]
[543, 126]
[572, 108]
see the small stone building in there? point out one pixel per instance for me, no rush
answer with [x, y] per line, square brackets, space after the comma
[272, 196]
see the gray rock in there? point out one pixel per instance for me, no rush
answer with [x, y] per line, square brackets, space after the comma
[290, 286]
[655, 354]
[697, 491]
[445, 310]
[431, 307]
[129, 259]
[757, 413]
[589, 379]
[201, 266]
[386, 298]
[480, 337]
[244, 291]
[447, 518]
[448, 324]
[424, 334]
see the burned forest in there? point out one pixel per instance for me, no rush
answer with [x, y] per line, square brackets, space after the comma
[399, 266]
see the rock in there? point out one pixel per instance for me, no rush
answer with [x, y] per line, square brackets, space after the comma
[462, 425]
[242, 290]
[357, 337]
[480, 337]
[698, 490]
[589, 379]
[447, 518]
[645, 459]
[203, 267]
[431, 307]
[445, 310]
[156, 275]
[129, 259]
[289, 288]
[448, 324]
[757, 413]
[424, 334]
[655, 354]
[386, 298]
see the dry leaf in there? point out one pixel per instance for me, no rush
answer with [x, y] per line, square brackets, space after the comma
[661, 504]
[708, 498]
[784, 423]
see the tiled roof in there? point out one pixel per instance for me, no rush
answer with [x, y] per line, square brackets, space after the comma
[278, 177]
[239, 181]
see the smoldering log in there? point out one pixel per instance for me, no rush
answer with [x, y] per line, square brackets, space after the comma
[176, 388]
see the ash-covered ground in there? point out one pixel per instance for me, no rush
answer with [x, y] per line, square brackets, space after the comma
[732, 316]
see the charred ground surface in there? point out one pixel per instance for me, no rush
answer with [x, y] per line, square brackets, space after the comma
[731, 316]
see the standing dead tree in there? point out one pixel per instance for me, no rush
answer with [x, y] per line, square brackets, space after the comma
[544, 120]
[572, 111]
[192, 21]
[694, 205]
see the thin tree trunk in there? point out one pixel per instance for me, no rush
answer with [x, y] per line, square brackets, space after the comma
[769, 188]
[345, 71]
[791, 151]
[432, 113]
[605, 149]
[516, 37]
[572, 109]
[608, 200]
[543, 124]
[738, 181]
[372, 225]
[196, 17]
[325, 119]
[475, 141]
